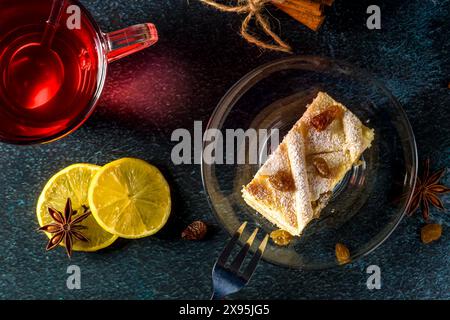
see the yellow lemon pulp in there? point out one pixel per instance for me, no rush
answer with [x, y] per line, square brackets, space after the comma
[130, 198]
[73, 182]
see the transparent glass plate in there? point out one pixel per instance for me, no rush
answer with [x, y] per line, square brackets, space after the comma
[371, 200]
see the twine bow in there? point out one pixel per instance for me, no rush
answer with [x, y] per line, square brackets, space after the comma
[253, 9]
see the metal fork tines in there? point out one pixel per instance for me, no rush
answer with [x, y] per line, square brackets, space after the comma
[229, 279]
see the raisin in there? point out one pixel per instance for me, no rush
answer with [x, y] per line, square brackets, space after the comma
[342, 253]
[195, 231]
[431, 232]
[324, 119]
[282, 181]
[322, 167]
[281, 237]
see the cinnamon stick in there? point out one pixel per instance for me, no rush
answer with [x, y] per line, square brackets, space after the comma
[311, 21]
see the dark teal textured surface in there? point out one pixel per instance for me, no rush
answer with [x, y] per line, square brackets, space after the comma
[181, 79]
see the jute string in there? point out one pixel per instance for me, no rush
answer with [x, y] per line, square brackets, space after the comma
[253, 9]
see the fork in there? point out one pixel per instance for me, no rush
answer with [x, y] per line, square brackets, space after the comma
[229, 279]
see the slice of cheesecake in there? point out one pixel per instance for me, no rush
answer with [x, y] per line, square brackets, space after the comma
[298, 178]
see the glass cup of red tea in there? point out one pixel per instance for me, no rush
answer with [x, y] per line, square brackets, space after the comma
[45, 95]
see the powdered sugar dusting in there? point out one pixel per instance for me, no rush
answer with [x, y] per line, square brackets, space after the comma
[340, 145]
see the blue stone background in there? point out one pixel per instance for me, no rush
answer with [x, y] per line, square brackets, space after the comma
[181, 79]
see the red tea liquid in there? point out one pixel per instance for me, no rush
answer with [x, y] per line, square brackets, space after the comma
[42, 98]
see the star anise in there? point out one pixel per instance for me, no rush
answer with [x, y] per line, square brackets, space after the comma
[427, 191]
[65, 227]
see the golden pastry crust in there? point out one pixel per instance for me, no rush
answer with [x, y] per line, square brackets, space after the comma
[290, 189]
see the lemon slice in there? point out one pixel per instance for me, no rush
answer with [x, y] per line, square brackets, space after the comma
[130, 198]
[73, 182]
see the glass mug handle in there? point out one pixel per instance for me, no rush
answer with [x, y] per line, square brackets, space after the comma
[124, 42]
